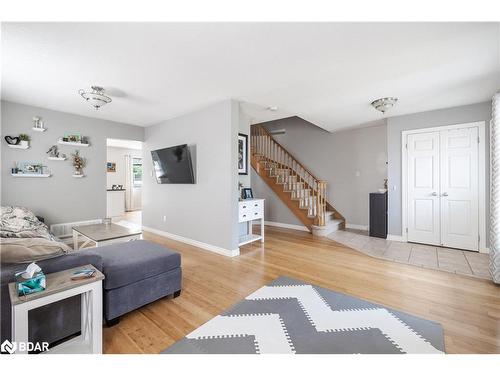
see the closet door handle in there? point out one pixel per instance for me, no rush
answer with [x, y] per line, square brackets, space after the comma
[434, 194]
[445, 194]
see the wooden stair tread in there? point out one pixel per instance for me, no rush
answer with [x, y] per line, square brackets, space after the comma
[292, 204]
[299, 196]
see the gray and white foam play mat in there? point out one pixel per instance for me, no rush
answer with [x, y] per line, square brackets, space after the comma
[291, 316]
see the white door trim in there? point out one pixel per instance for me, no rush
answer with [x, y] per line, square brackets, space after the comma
[482, 176]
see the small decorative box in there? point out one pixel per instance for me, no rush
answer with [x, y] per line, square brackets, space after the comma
[28, 286]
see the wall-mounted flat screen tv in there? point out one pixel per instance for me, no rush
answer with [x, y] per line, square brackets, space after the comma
[172, 165]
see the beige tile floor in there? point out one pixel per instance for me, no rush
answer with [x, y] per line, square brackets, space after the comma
[439, 258]
[134, 217]
[131, 219]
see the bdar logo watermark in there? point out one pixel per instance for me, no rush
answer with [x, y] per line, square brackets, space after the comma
[8, 347]
[12, 347]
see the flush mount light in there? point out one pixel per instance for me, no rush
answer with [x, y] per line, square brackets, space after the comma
[384, 104]
[272, 108]
[95, 96]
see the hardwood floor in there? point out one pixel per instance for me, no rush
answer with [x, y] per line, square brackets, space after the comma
[467, 307]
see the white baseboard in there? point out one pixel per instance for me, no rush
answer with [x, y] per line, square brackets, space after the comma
[288, 226]
[356, 226]
[394, 237]
[190, 241]
[485, 250]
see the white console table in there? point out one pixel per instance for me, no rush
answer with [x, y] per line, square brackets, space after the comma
[249, 210]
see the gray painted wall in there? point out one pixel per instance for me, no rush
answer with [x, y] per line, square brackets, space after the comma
[274, 209]
[60, 198]
[244, 128]
[441, 117]
[207, 210]
[335, 157]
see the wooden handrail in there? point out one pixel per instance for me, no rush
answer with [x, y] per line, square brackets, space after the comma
[288, 166]
[260, 127]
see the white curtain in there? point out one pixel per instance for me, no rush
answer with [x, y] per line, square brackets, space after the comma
[128, 182]
[495, 189]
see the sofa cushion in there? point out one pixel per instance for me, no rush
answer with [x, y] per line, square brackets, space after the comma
[128, 262]
[27, 250]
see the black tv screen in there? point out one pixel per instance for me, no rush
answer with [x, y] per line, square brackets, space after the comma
[172, 165]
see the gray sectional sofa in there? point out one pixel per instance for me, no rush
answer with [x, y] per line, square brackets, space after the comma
[137, 273]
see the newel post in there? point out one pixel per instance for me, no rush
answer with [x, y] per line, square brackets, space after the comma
[321, 202]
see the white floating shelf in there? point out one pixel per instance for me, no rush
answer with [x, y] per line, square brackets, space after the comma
[22, 147]
[78, 175]
[78, 144]
[39, 129]
[54, 158]
[31, 175]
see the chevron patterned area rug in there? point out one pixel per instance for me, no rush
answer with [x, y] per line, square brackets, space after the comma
[291, 316]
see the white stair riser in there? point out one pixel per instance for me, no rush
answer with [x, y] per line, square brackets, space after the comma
[329, 227]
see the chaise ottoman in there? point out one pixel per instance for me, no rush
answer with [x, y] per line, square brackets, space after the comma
[137, 273]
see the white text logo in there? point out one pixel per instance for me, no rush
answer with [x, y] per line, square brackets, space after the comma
[12, 347]
[8, 347]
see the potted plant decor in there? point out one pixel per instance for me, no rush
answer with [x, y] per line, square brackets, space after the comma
[24, 140]
[79, 163]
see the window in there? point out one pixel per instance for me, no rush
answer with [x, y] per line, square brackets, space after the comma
[137, 172]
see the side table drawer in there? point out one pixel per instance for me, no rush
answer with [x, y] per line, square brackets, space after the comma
[250, 210]
[244, 215]
[250, 214]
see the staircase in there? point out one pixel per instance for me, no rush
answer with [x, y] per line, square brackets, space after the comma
[299, 189]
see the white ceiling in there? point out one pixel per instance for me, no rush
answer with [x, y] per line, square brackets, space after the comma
[124, 143]
[327, 73]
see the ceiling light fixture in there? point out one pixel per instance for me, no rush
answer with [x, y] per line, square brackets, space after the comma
[272, 108]
[95, 96]
[384, 104]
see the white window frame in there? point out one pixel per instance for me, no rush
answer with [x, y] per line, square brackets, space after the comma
[132, 172]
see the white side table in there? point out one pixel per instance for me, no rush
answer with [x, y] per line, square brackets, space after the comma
[249, 210]
[59, 286]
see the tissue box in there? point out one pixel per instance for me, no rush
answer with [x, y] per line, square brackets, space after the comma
[29, 286]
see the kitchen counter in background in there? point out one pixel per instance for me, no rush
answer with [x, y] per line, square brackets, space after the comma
[115, 203]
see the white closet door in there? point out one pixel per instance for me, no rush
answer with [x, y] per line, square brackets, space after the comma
[459, 188]
[423, 188]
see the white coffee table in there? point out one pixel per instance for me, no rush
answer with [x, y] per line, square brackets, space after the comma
[104, 234]
[59, 286]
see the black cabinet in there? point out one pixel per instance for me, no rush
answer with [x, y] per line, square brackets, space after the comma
[378, 215]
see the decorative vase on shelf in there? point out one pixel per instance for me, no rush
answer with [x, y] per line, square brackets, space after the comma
[78, 163]
[38, 124]
[24, 140]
